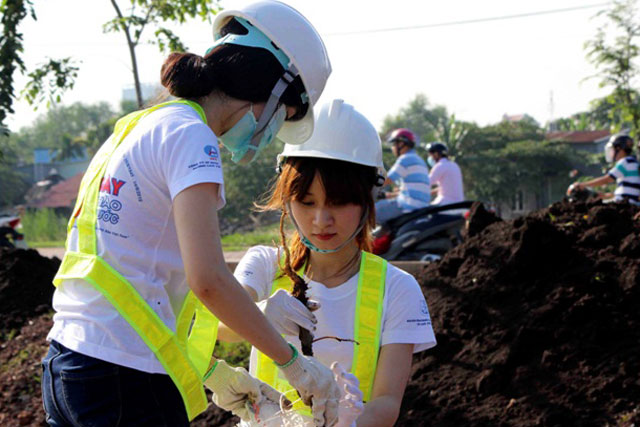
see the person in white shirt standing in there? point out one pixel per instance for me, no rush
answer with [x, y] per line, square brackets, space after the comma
[144, 272]
[445, 175]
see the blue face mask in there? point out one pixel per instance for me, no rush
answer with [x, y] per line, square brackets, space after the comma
[238, 139]
[431, 161]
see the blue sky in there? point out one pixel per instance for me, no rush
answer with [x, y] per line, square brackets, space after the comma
[479, 70]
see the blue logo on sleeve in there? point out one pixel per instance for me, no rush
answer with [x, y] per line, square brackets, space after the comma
[212, 152]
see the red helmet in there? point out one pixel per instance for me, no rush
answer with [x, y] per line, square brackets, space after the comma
[403, 135]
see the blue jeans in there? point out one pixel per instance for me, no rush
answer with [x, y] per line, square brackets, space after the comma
[387, 209]
[78, 390]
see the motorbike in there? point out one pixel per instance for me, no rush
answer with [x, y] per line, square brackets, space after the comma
[422, 235]
[9, 235]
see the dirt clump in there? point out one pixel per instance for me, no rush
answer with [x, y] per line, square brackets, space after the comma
[479, 219]
[536, 321]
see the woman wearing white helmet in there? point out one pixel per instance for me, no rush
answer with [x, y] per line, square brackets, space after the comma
[368, 316]
[133, 331]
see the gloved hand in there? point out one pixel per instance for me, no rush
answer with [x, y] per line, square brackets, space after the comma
[233, 387]
[350, 406]
[287, 314]
[317, 387]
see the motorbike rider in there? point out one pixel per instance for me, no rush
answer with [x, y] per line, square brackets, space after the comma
[410, 173]
[445, 175]
[624, 173]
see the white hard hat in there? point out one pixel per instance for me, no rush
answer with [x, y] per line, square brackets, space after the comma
[341, 133]
[297, 38]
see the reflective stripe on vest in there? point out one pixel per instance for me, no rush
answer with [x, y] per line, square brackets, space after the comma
[185, 354]
[367, 329]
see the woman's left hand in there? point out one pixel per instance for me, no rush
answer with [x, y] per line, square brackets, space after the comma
[233, 387]
[350, 405]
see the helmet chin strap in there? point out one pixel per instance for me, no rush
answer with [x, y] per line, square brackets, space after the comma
[313, 247]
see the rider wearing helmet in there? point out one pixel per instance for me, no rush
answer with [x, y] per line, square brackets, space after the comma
[624, 173]
[445, 175]
[326, 188]
[410, 173]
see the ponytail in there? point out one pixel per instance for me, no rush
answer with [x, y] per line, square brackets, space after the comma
[186, 75]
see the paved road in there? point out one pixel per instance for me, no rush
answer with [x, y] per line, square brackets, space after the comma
[232, 257]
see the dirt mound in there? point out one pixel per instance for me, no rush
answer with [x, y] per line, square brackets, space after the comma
[25, 286]
[536, 321]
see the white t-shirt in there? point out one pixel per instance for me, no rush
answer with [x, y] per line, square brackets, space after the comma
[447, 175]
[405, 315]
[166, 152]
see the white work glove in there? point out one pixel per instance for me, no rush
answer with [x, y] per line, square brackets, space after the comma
[233, 387]
[287, 314]
[317, 388]
[350, 406]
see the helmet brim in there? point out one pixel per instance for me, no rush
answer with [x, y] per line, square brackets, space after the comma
[296, 133]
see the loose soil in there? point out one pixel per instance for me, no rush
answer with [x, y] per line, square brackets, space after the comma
[536, 321]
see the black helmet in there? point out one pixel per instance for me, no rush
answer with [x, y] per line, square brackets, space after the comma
[437, 147]
[623, 142]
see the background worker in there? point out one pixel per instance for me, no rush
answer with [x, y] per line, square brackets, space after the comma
[143, 250]
[326, 188]
[624, 173]
[445, 175]
[410, 173]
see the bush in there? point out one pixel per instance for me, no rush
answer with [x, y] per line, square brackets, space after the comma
[44, 225]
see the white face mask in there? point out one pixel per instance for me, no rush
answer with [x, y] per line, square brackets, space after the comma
[609, 153]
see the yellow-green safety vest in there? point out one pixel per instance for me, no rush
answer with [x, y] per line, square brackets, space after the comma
[186, 353]
[367, 327]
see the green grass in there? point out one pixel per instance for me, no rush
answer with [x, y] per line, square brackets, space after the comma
[235, 354]
[46, 244]
[266, 235]
[44, 226]
[42, 229]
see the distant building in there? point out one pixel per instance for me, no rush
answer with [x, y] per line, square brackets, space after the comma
[516, 118]
[60, 196]
[44, 160]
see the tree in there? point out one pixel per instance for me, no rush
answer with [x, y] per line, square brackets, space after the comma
[66, 129]
[429, 123]
[13, 184]
[46, 82]
[242, 189]
[496, 173]
[152, 12]
[614, 52]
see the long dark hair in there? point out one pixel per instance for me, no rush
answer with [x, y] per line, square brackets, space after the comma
[343, 182]
[240, 72]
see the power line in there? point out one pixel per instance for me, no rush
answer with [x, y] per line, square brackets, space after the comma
[468, 21]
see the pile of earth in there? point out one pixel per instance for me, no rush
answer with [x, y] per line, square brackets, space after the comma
[537, 322]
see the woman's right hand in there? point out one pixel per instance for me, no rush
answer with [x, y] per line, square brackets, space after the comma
[287, 314]
[317, 387]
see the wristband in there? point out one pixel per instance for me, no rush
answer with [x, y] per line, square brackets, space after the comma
[208, 374]
[293, 358]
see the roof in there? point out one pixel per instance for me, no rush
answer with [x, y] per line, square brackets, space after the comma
[578, 136]
[61, 195]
